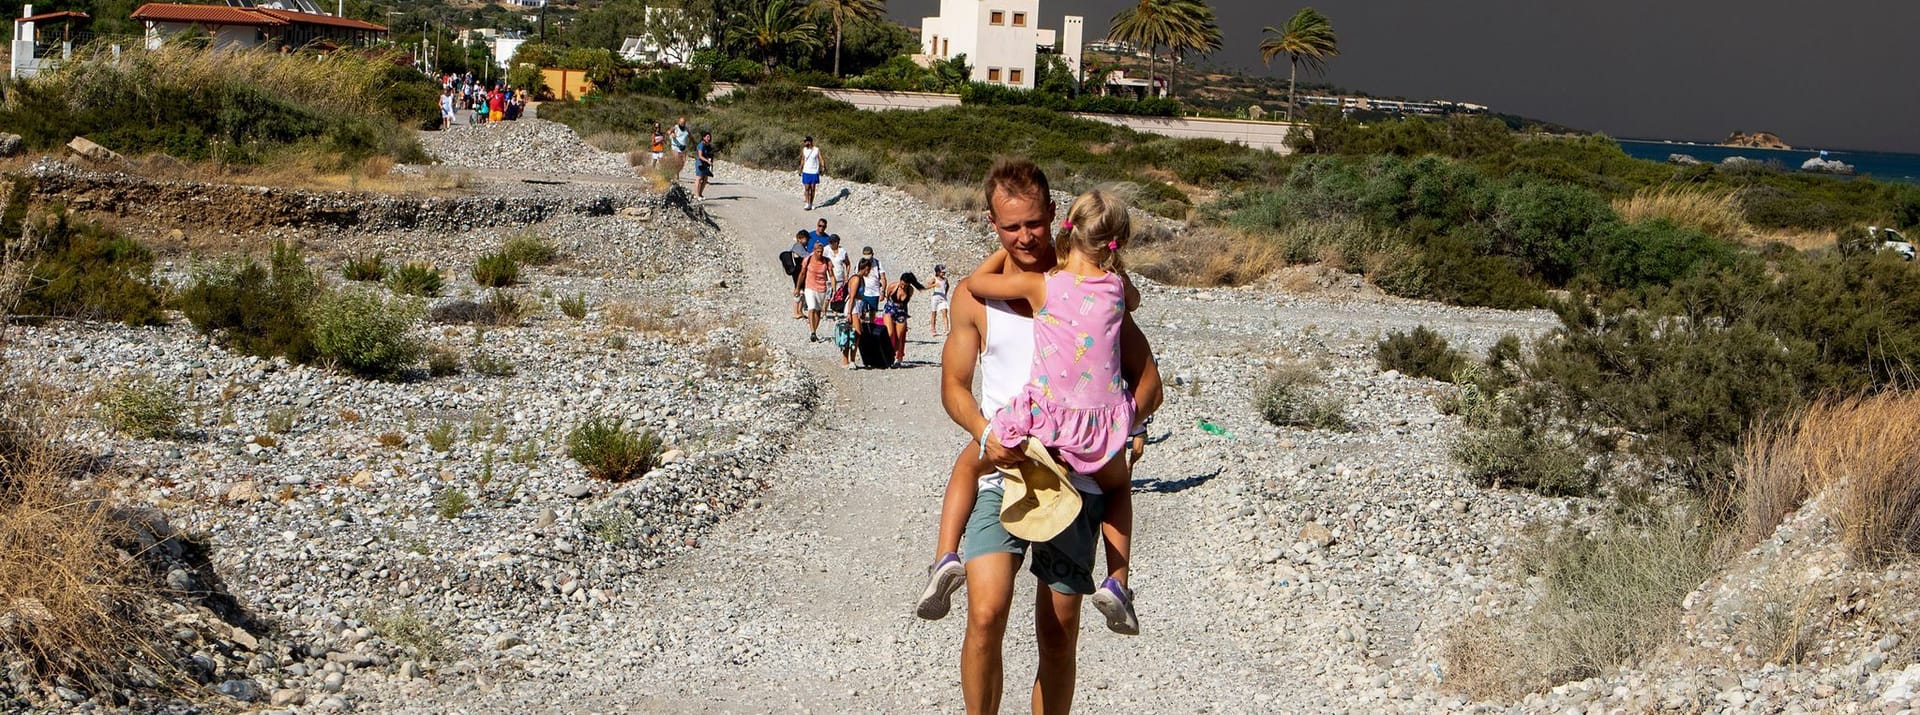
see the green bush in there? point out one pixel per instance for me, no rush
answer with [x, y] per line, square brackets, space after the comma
[505, 307]
[1653, 253]
[1288, 398]
[416, 279]
[491, 365]
[574, 306]
[82, 270]
[1421, 353]
[257, 310]
[496, 270]
[365, 268]
[1523, 458]
[676, 83]
[142, 407]
[442, 361]
[529, 249]
[365, 332]
[610, 451]
[1546, 225]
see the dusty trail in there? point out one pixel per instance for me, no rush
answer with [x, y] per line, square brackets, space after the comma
[802, 602]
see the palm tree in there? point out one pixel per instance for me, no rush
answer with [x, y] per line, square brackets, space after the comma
[775, 27]
[843, 11]
[1181, 25]
[1197, 31]
[1308, 37]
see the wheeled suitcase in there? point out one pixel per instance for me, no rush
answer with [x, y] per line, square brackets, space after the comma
[876, 347]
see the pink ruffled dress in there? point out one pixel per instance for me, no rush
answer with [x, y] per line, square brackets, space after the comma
[1076, 402]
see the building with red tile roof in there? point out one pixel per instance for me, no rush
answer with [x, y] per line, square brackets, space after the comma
[247, 27]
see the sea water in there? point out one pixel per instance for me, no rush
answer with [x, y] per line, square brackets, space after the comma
[1885, 166]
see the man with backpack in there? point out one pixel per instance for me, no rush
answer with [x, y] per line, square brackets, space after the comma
[814, 274]
[790, 261]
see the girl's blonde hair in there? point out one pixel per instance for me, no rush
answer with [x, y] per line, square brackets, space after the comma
[1097, 225]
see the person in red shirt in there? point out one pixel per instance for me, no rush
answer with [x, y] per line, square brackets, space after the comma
[814, 275]
[496, 105]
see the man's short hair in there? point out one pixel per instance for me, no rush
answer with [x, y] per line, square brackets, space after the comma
[1018, 177]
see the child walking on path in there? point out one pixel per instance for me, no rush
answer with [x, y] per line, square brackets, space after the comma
[1076, 402]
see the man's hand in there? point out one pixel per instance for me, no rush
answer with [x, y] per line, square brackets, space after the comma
[1003, 456]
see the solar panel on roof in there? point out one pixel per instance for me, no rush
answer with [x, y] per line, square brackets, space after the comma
[239, 3]
[306, 6]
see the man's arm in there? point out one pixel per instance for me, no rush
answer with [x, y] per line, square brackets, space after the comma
[958, 359]
[1140, 370]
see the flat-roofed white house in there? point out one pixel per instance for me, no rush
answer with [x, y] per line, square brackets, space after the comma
[1001, 39]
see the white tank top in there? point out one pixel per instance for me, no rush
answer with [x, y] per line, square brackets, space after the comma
[810, 160]
[1006, 362]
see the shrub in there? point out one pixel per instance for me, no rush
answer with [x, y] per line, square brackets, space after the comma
[1861, 452]
[450, 503]
[1288, 399]
[1421, 353]
[1524, 457]
[1606, 596]
[460, 310]
[257, 310]
[491, 365]
[529, 249]
[442, 361]
[81, 269]
[416, 279]
[505, 307]
[365, 268]
[574, 306]
[365, 332]
[1655, 253]
[611, 452]
[1544, 224]
[496, 270]
[440, 438]
[141, 407]
[80, 611]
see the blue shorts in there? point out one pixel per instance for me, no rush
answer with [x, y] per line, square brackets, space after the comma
[1065, 564]
[809, 179]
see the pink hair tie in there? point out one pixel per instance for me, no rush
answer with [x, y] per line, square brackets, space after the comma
[1066, 225]
[1113, 245]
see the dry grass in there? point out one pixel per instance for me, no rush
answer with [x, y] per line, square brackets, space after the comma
[1862, 452]
[615, 142]
[653, 316]
[1608, 596]
[1207, 258]
[952, 197]
[1714, 213]
[310, 170]
[1799, 239]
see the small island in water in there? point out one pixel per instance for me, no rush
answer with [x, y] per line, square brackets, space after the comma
[1756, 140]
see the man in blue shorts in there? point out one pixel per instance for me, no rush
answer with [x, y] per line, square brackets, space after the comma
[702, 166]
[810, 167]
[997, 338]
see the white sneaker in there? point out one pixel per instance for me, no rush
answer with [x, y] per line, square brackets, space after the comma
[943, 578]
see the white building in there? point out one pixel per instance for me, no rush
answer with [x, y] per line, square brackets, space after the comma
[1001, 39]
[669, 39]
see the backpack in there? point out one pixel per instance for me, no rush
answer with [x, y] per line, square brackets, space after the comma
[790, 263]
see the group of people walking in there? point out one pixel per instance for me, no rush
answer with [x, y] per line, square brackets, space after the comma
[490, 103]
[870, 308]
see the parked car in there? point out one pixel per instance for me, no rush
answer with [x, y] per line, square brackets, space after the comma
[1891, 240]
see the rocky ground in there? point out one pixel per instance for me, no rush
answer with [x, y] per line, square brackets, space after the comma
[440, 553]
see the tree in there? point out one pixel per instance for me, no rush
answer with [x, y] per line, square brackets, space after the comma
[776, 26]
[1197, 31]
[1184, 24]
[1308, 37]
[843, 11]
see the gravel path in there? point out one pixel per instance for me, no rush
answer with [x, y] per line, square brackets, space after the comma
[773, 565]
[803, 603]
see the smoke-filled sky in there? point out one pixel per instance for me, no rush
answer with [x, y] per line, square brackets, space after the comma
[1838, 74]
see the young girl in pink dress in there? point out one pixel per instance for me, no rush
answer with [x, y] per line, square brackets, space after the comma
[1075, 403]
